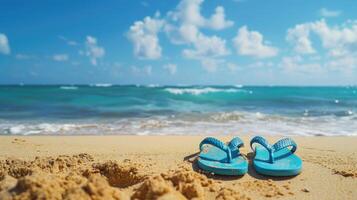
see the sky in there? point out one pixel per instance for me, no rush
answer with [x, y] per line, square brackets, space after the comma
[179, 42]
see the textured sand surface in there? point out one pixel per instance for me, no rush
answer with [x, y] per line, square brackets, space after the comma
[163, 167]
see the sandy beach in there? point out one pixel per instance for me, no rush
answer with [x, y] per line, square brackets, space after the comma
[163, 167]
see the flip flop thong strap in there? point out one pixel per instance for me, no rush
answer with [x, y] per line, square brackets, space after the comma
[279, 145]
[217, 143]
[284, 143]
[263, 142]
[235, 143]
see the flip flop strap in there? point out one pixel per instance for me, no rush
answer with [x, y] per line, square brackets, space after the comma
[217, 143]
[279, 145]
[284, 143]
[263, 142]
[235, 143]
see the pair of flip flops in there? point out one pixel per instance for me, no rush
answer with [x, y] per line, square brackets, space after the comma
[273, 160]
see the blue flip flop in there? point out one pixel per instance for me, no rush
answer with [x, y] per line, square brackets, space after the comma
[218, 158]
[276, 160]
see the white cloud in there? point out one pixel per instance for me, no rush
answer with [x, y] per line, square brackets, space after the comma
[144, 36]
[207, 47]
[208, 51]
[338, 40]
[345, 64]
[324, 12]
[93, 51]
[299, 36]
[146, 70]
[211, 64]
[60, 57]
[218, 20]
[4, 44]
[184, 23]
[182, 26]
[339, 48]
[189, 12]
[297, 64]
[171, 68]
[67, 41]
[251, 43]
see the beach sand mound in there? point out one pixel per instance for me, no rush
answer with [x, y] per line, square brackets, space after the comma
[63, 177]
[79, 177]
[230, 194]
[157, 188]
[120, 174]
[182, 183]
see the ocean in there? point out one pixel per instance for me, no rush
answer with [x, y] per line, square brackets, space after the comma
[105, 109]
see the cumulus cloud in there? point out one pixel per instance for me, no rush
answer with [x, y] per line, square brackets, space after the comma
[251, 43]
[184, 23]
[211, 64]
[344, 64]
[338, 40]
[299, 36]
[218, 20]
[208, 50]
[144, 36]
[182, 26]
[189, 12]
[339, 44]
[93, 50]
[60, 57]
[324, 12]
[296, 64]
[207, 47]
[171, 68]
[4, 44]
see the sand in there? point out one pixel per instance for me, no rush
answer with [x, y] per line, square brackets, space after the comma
[163, 167]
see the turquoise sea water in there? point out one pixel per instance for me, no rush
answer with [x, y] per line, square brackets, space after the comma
[107, 109]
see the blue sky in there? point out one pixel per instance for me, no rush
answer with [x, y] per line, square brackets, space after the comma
[250, 42]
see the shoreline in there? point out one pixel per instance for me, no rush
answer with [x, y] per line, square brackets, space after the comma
[167, 163]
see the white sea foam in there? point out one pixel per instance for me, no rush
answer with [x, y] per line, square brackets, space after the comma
[216, 123]
[198, 91]
[41, 128]
[101, 85]
[68, 87]
[153, 85]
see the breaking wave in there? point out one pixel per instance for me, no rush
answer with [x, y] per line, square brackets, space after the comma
[198, 91]
[68, 87]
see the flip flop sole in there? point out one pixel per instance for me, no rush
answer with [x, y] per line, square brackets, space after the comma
[286, 165]
[213, 159]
